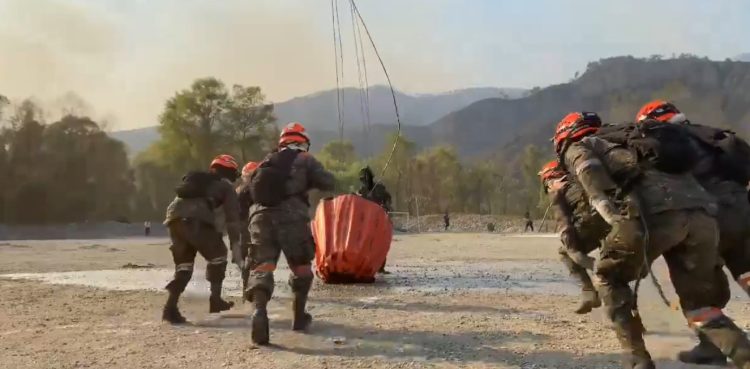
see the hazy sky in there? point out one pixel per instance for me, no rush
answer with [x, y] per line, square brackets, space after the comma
[126, 57]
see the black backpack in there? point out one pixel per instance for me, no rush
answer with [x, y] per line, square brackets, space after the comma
[195, 184]
[664, 146]
[268, 183]
[733, 153]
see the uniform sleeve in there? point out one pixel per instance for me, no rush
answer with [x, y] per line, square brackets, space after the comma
[231, 207]
[591, 173]
[319, 178]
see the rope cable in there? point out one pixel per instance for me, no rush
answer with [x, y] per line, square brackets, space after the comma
[390, 85]
[342, 91]
[336, 62]
[360, 80]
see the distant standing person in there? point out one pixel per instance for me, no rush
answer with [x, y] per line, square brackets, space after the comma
[529, 222]
[447, 220]
[147, 228]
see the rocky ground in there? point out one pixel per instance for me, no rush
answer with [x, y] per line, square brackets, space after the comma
[453, 300]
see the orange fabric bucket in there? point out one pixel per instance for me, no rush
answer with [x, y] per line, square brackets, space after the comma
[352, 238]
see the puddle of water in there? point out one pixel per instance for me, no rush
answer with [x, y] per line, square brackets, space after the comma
[148, 279]
[536, 277]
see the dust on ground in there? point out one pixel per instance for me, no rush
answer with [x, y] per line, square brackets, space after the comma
[453, 300]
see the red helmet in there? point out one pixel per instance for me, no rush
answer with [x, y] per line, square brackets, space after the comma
[660, 110]
[294, 132]
[249, 168]
[551, 170]
[575, 126]
[224, 160]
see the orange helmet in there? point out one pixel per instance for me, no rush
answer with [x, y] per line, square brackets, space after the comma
[551, 170]
[224, 160]
[575, 126]
[249, 168]
[660, 110]
[294, 132]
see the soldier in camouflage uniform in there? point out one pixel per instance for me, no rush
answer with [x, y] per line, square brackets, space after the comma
[726, 181]
[676, 211]
[195, 226]
[582, 230]
[246, 200]
[285, 228]
[377, 193]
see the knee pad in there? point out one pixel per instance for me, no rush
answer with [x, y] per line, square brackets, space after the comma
[180, 281]
[260, 280]
[216, 271]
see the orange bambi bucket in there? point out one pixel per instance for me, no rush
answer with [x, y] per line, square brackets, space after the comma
[352, 238]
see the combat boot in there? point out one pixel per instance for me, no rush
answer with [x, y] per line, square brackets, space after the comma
[630, 335]
[705, 353]
[730, 339]
[260, 332]
[171, 313]
[589, 301]
[215, 303]
[300, 288]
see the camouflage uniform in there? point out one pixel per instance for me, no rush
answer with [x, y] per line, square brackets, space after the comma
[734, 228]
[245, 200]
[677, 211]
[285, 228]
[195, 226]
[582, 229]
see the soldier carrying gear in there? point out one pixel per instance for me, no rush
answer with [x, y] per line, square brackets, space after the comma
[280, 222]
[376, 193]
[246, 200]
[582, 229]
[723, 169]
[652, 214]
[373, 191]
[205, 205]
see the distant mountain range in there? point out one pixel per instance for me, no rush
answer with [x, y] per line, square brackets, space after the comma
[484, 122]
[742, 57]
[709, 92]
[319, 113]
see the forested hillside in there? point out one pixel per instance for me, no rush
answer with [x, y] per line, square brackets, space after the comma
[709, 92]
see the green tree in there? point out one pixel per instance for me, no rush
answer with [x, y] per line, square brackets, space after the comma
[340, 158]
[248, 123]
[190, 124]
[398, 175]
[531, 162]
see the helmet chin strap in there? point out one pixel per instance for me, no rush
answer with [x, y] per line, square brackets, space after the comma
[298, 146]
[678, 118]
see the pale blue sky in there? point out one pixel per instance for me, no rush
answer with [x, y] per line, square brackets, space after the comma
[126, 57]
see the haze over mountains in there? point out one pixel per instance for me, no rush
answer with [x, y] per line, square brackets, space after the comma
[319, 113]
[709, 92]
[486, 121]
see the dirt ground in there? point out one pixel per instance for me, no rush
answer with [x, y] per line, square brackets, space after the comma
[453, 300]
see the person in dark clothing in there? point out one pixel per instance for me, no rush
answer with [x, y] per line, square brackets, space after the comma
[245, 199]
[195, 224]
[529, 222]
[284, 227]
[375, 192]
[447, 220]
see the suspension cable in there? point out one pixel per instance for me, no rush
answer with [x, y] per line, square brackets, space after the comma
[342, 90]
[336, 62]
[390, 85]
[362, 100]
